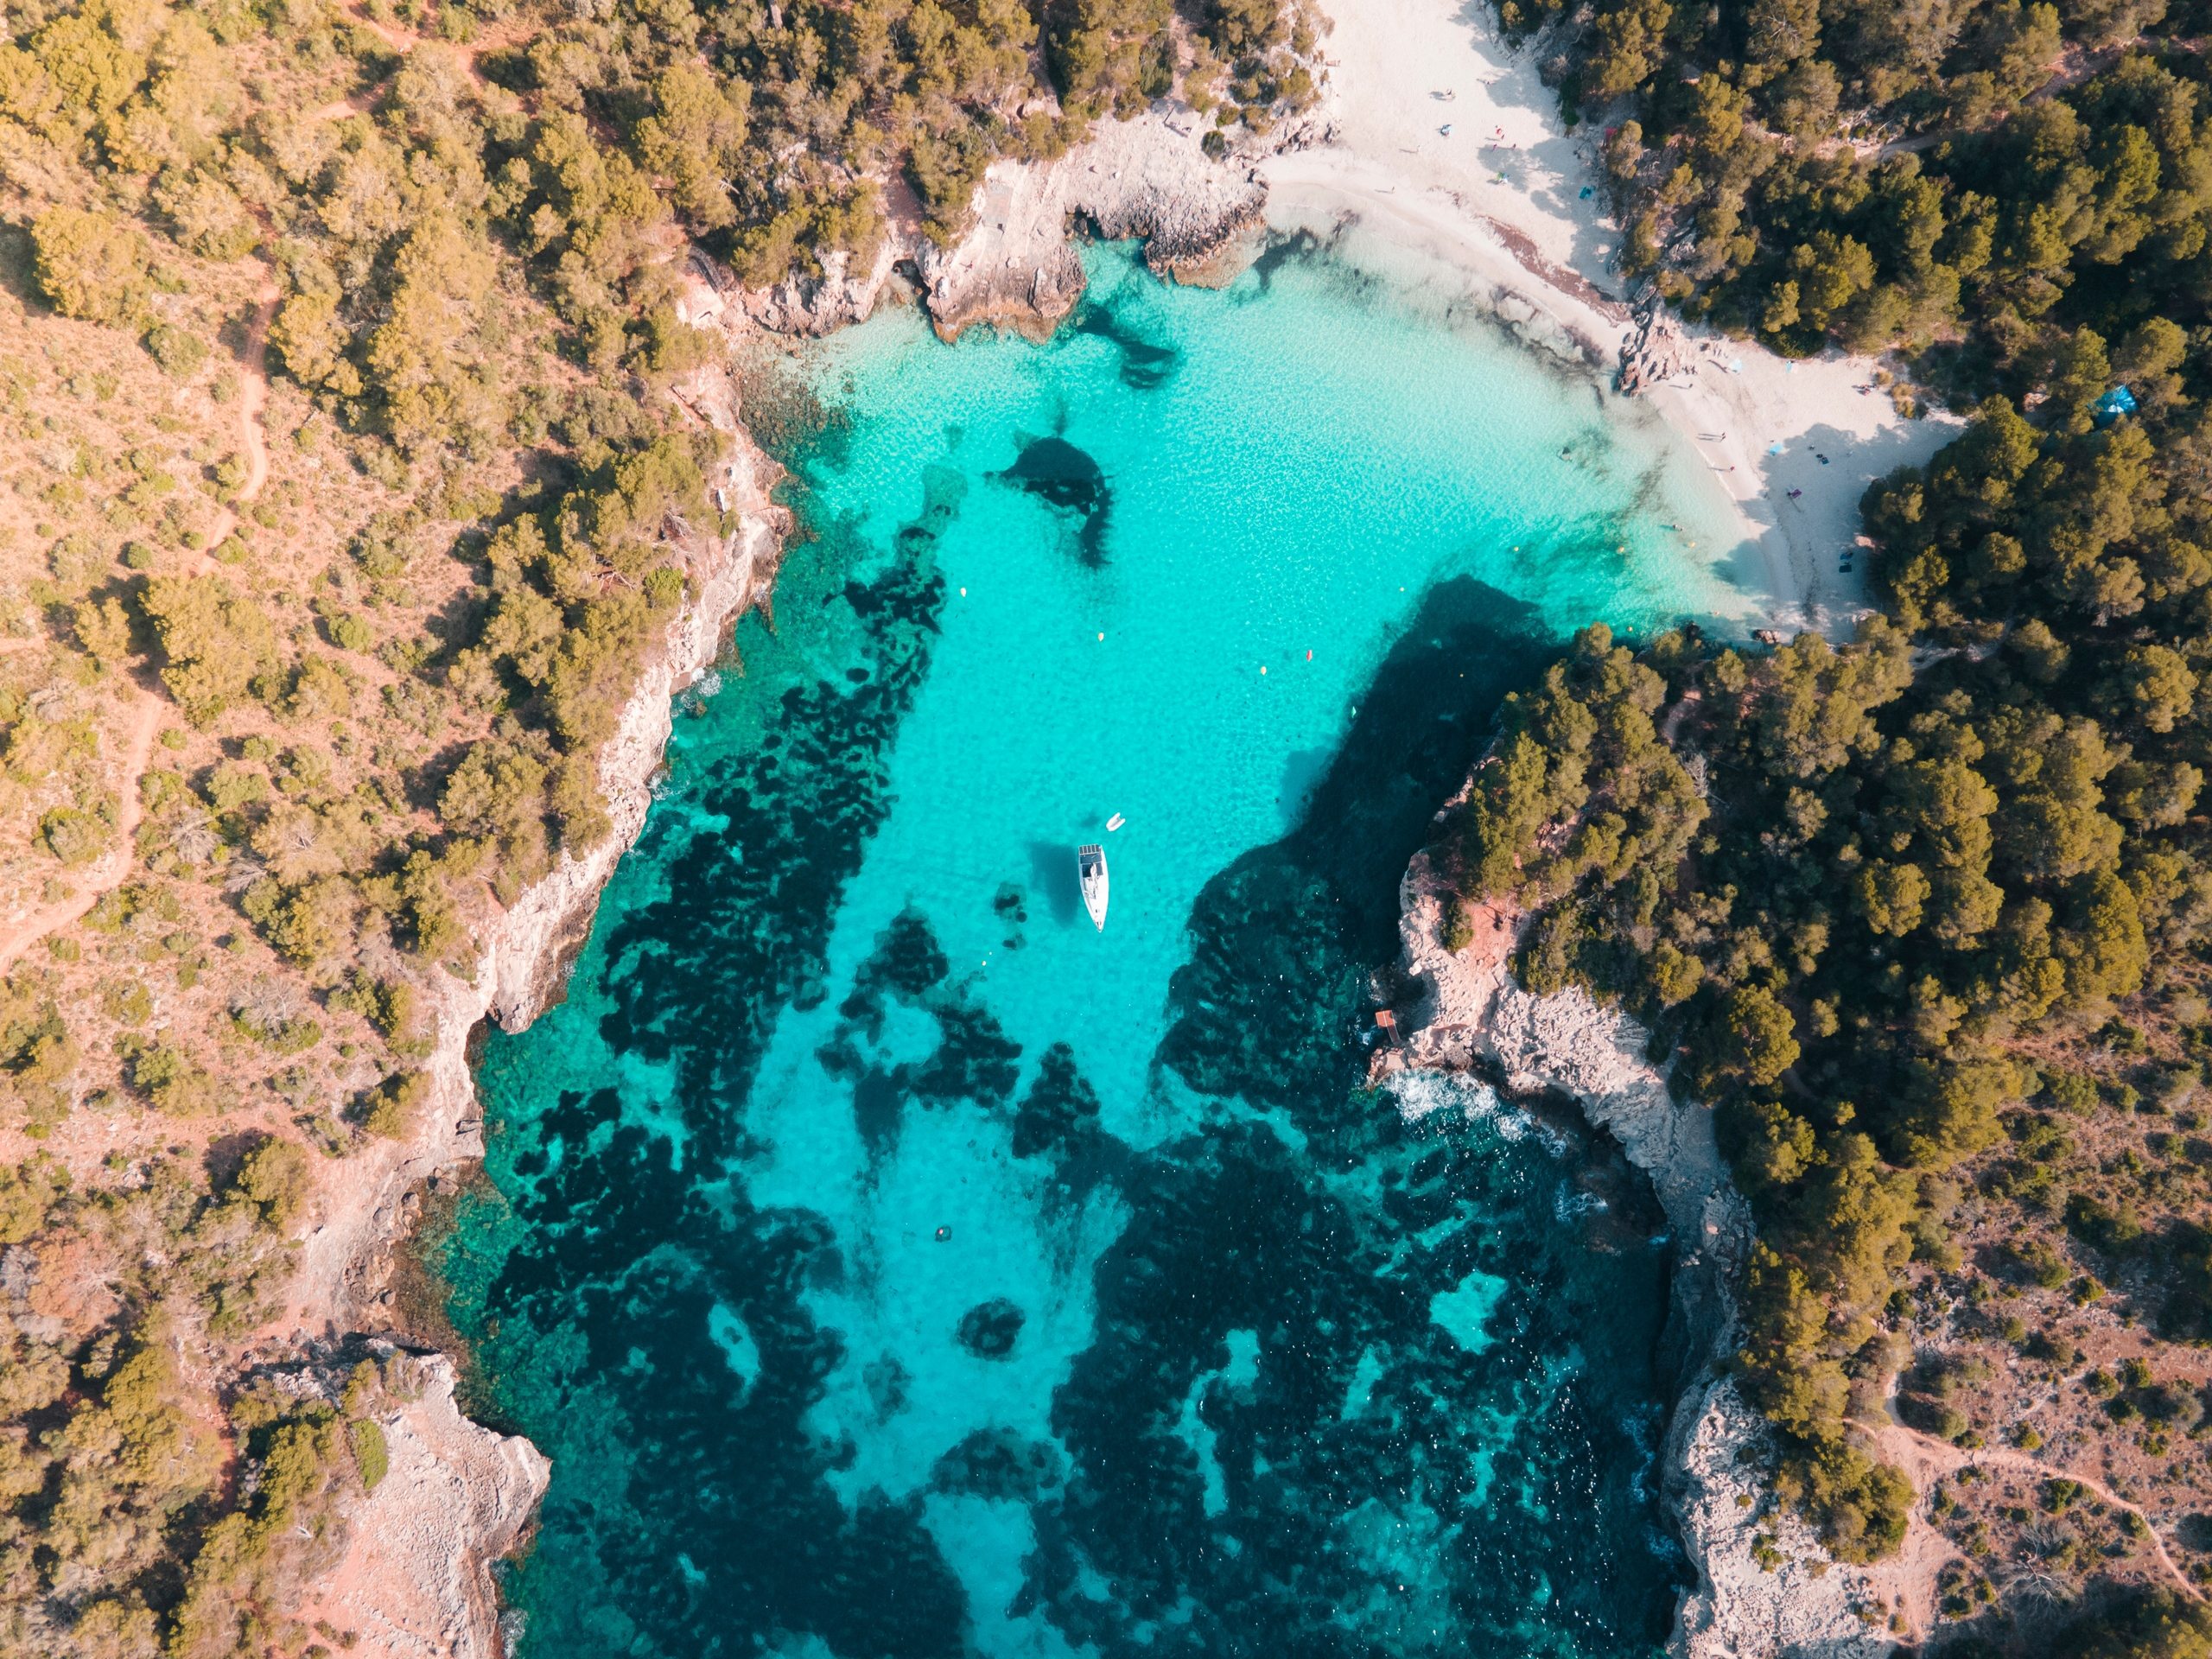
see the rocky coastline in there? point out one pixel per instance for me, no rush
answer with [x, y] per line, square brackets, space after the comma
[1017, 267]
[1460, 1011]
[415, 1568]
[415, 1575]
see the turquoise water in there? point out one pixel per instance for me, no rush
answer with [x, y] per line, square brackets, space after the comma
[891, 1263]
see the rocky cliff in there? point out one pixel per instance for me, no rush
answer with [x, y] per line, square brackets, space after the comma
[459, 1496]
[415, 1578]
[1148, 178]
[1458, 1011]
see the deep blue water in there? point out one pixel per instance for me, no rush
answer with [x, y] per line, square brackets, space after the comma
[893, 1265]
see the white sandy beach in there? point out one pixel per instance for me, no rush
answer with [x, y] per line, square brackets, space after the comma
[1503, 197]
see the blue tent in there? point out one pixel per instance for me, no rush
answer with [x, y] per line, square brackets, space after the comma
[2115, 403]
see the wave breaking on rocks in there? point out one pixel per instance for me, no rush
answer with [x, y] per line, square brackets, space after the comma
[1462, 1013]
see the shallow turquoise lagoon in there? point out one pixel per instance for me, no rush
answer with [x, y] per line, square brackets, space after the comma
[895, 1265]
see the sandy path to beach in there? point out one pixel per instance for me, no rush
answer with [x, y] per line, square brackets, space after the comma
[1510, 196]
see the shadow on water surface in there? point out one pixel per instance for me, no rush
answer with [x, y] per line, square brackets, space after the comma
[1302, 771]
[1052, 875]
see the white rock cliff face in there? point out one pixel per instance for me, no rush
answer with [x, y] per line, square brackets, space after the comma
[416, 1576]
[1470, 1012]
[1144, 177]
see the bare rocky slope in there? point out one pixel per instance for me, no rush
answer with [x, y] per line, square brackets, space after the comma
[1461, 1011]
[415, 1578]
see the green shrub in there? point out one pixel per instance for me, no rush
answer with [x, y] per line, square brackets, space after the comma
[89, 266]
[177, 1085]
[179, 352]
[277, 1176]
[394, 1110]
[216, 642]
[348, 632]
[74, 837]
[370, 1454]
[2071, 1092]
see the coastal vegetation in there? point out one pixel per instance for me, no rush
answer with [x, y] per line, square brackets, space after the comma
[1923, 915]
[1981, 187]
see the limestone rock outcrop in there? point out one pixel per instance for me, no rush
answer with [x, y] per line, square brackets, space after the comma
[415, 1575]
[1461, 1011]
[1199, 216]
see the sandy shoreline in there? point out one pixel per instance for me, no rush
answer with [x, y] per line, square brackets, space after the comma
[1512, 199]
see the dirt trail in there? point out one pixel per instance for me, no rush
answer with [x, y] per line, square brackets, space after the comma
[253, 398]
[113, 868]
[1909, 1446]
[402, 42]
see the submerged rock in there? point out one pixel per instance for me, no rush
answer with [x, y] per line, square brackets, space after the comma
[989, 1330]
[1061, 476]
[999, 1463]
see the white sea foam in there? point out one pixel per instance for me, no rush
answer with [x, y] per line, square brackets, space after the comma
[1420, 1094]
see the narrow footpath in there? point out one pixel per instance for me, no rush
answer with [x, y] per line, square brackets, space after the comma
[1924, 1456]
[149, 706]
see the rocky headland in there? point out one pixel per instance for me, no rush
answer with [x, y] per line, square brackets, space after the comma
[1461, 1011]
[415, 1577]
[1017, 266]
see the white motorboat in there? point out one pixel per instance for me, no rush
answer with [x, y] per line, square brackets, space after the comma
[1091, 873]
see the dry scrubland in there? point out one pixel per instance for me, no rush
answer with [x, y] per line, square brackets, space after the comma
[345, 494]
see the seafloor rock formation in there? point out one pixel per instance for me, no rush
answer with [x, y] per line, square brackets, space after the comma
[1462, 1012]
[1145, 178]
[415, 1575]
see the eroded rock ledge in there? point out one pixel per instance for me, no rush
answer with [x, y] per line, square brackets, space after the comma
[415, 1577]
[1146, 178]
[1462, 1012]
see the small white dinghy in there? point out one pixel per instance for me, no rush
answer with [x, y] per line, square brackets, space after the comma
[1091, 873]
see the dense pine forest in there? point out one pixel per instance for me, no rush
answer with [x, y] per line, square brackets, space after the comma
[1925, 915]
